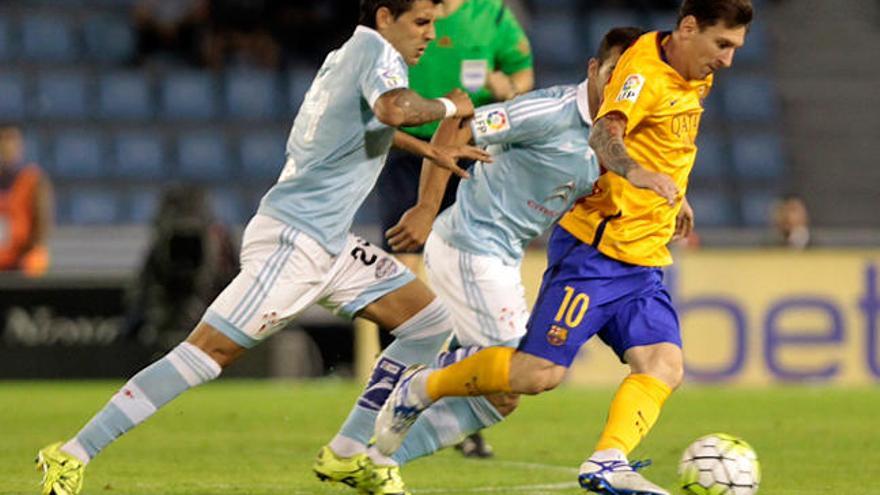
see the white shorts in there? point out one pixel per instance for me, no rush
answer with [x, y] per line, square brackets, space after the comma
[284, 271]
[485, 297]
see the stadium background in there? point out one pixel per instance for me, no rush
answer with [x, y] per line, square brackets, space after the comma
[795, 331]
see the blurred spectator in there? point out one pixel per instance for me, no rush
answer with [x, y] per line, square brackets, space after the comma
[191, 258]
[792, 222]
[170, 28]
[238, 34]
[26, 208]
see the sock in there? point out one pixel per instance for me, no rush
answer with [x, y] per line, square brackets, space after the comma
[634, 410]
[417, 340]
[446, 423]
[485, 372]
[183, 368]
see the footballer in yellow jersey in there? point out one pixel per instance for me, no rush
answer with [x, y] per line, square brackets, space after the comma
[603, 273]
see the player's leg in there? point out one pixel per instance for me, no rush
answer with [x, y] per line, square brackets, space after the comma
[559, 325]
[250, 309]
[487, 302]
[374, 285]
[645, 334]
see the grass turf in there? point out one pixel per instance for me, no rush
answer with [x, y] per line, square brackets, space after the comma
[260, 437]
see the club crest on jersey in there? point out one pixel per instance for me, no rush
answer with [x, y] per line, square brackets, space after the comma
[632, 86]
[391, 78]
[557, 335]
[562, 192]
[491, 122]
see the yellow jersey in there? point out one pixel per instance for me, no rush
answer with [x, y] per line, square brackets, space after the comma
[663, 114]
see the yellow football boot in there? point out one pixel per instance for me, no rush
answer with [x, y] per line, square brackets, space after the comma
[62, 472]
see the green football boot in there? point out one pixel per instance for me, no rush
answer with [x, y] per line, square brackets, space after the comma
[386, 480]
[62, 472]
[354, 471]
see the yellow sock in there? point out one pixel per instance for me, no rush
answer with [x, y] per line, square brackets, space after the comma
[633, 412]
[486, 372]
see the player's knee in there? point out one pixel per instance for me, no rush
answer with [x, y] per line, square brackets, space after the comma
[544, 380]
[664, 362]
[505, 404]
[217, 346]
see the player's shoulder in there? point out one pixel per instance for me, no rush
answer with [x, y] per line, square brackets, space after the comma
[543, 102]
[644, 53]
[366, 40]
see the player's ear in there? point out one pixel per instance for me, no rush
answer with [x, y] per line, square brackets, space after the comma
[688, 26]
[384, 18]
[593, 68]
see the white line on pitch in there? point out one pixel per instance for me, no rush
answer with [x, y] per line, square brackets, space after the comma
[515, 488]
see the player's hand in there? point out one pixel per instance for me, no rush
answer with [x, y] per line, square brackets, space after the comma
[462, 103]
[684, 221]
[500, 85]
[447, 156]
[412, 230]
[661, 184]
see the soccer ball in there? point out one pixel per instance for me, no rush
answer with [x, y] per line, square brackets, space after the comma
[719, 464]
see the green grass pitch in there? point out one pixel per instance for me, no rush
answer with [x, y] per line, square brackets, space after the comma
[260, 437]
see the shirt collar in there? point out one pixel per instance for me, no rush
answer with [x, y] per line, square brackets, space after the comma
[583, 102]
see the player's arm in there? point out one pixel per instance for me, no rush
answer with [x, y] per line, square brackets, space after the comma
[606, 139]
[412, 230]
[404, 107]
[505, 87]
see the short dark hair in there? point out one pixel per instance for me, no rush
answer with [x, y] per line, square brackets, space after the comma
[733, 13]
[619, 37]
[397, 7]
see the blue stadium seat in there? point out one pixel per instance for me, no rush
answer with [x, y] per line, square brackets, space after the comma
[252, 94]
[757, 47]
[139, 155]
[109, 39]
[46, 38]
[556, 41]
[758, 156]
[125, 95]
[90, 206]
[12, 103]
[189, 95]
[756, 207]
[33, 147]
[660, 20]
[298, 82]
[262, 155]
[6, 48]
[62, 95]
[712, 208]
[141, 207]
[711, 160]
[78, 155]
[600, 22]
[203, 156]
[226, 203]
[750, 99]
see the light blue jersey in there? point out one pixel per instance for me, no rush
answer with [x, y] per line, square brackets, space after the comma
[337, 146]
[542, 164]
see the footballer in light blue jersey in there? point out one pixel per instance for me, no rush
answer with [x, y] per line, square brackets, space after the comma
[337, 146]
[542, 164]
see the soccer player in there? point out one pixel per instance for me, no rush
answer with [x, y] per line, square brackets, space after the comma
[483, 50]
[604, 257]
[297, 250]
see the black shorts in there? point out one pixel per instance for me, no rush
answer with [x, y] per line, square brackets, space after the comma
[398, 188]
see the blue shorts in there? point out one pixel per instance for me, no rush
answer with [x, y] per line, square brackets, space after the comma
[584, 293]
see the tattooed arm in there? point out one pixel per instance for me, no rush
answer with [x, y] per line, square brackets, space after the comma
[606, 139]
[404, 107]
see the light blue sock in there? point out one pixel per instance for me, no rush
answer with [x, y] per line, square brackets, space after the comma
[446, 423]
[186, 366]
[418, 340]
